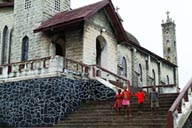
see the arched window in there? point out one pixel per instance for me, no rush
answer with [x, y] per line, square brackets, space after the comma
[4, 45]
[25, 45]
[124, 67]
[140, 73]
[168, 58]
[167, 79]
[154, 77]
[98, 51]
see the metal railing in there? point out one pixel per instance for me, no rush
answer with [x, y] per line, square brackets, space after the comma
[160, 88]
[6, 69]
[113, 78]
[75, 66]
[43, 66]
[177, 105]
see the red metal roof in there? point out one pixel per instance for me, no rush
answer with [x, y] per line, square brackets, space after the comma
[6, 4]
[72, 16]
[81, 14]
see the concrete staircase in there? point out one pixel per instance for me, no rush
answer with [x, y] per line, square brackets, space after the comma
[100, 114]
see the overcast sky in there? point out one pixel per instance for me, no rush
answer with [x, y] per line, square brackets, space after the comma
[143, 19]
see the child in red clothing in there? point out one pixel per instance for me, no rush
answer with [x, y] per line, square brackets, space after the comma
[140, 99]
[118, 101]
[126, 94]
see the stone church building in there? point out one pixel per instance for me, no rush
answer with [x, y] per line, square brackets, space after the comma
[40, 35]
[53, 58]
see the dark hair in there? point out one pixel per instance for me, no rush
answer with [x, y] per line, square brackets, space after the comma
[153, 88]
[119, 91]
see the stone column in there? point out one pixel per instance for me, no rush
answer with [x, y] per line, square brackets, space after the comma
[56, 64]
[52, 49]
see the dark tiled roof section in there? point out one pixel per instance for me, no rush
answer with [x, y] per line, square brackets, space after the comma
[132, 38]
[6, 4]
[75, 15]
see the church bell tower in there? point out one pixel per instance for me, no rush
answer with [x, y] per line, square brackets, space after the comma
[169, 40]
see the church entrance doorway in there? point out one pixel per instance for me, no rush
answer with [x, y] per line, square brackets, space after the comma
[60, 47]
[59, 50]
[100, 51]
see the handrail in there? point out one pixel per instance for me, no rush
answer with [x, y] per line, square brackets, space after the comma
[22, 64]
[159, 86]
[111, 72]
[118, 76]
[169, 85]
[84, 67]
[177, 102]
[9, 64]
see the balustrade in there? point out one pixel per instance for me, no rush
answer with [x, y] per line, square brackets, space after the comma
[42, 66]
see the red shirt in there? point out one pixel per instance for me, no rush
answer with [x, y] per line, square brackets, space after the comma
[126, 95]
[140, 97]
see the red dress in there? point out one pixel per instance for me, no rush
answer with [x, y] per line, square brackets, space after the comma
[140, 97]
[118, 101]
[126, 98]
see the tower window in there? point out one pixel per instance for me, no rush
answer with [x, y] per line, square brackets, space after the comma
[168, 49]
[57, 5]
[27, 4]
[175, 43]
[168, 58]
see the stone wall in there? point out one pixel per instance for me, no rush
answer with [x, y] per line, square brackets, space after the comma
[26, 20]
[124, 51]
[92, 31]
[42, 102]
[49, 7]
[167, 70]
[6, 16]
[74, 45]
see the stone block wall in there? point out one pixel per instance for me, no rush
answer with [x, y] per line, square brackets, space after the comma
[92, 30]
[6, 16]
[42, 102]
[74, 45]
[26, 20]
[167, 70]
[49, 7]
[124, 51]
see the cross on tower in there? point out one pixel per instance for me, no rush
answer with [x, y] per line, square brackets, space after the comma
[167, 14]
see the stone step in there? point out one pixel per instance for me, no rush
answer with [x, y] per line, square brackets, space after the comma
[145, 115]
[100, 114]
[111, 125]
[133, 102]
[110, 106]
[110, 112]
[117, 117]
